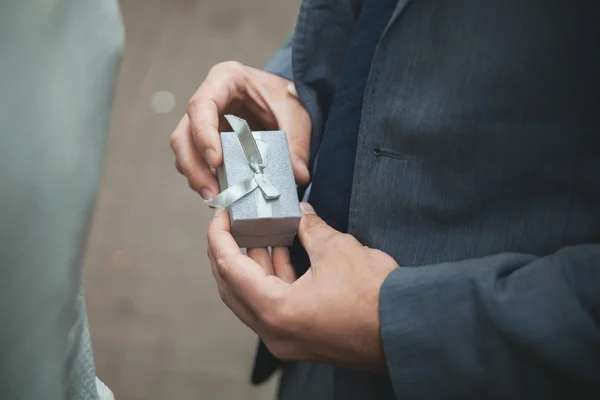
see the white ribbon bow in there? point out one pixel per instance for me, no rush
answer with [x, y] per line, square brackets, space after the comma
[235, 192]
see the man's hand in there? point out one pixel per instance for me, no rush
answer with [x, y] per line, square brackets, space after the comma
[265, 100]
[329, 315]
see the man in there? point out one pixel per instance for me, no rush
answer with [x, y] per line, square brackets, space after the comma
[453, 155]
[58, 68]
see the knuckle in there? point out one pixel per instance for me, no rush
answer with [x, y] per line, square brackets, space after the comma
[312, 222]
[225, 68]
[210, 229]
[194, 185]
[299, 143]
[178, 167]
[230, 66]
[174, 142]
[215, 68]
[345, 238]
[222, 265]
[192, 104]
[223, 295]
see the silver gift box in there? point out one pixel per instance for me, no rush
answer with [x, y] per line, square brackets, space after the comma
[255, 220]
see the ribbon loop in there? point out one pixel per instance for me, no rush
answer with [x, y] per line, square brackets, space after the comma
[255, 160]
[244, 134]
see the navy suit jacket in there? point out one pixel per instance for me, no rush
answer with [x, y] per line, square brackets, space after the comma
[478, 170]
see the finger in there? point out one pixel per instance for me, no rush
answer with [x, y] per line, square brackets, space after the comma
[220, 241]
[203, 115]
[221, 286]
[314, 233]
[235, 268]
[178, 167]
[298, 132]
[190, 164]
[224, 84]
[299, 154]
[282, 264]
[263, 258]
[238, 308]
[244, 277]
[286, 112]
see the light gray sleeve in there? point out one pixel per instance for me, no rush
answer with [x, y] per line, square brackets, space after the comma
[508, 326]
[57, 76]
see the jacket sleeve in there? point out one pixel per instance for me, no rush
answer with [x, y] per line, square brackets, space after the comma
[506, 326]
[281, 63]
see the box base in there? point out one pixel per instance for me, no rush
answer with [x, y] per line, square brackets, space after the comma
[249, 242]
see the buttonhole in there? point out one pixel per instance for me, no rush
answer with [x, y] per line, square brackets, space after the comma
[384, 152]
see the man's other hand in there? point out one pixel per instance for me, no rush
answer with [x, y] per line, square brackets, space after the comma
[329, 315]
[265, 100]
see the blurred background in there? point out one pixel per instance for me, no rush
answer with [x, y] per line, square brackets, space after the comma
[158, 327]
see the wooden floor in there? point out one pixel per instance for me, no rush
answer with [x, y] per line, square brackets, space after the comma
[158, 328]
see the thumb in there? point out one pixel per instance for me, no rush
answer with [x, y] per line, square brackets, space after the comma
[314, 233]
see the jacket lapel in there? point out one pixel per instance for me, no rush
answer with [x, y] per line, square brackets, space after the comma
[395, 16]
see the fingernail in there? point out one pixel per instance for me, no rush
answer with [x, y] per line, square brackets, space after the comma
[307, 208]
[211, 157]
[206, 194]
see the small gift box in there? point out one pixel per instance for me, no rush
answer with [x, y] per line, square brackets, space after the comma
[257, 186]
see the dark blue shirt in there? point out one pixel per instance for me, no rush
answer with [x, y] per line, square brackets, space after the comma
[331, 186]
